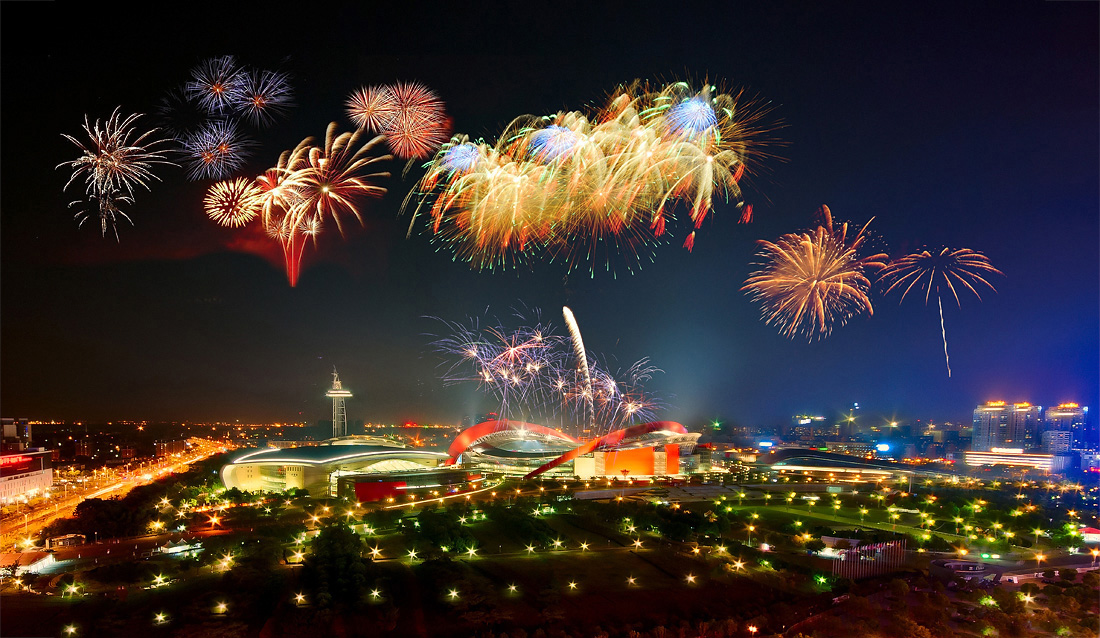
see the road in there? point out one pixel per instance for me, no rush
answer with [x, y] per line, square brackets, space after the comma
[16, 531]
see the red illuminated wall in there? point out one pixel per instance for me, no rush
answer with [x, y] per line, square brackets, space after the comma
[672, 459]
[639, 461]
[370, 492]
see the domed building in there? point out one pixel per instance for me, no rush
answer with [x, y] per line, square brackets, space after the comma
[320, 468]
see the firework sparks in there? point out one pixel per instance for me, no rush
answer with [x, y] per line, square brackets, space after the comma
[332, 178]
[814, 281]
[107, 209]
[311, 183]
[233, 203]
[114, 162]
[372, 108]
[573, 184]
[537, 374]
[935, 272]
[217, 84]
[264, 96]
[215, 150]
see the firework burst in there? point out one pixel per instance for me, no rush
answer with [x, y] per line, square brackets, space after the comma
[215, 150]
[947, 270]
[114, 162]
[573, 184]
[814, 281]
[233, 203]
[310, 183]
[537, 374]
[419, 124]
[264, 96]
[331, 179]
[217, 84]
[116, 158]
[372, 108]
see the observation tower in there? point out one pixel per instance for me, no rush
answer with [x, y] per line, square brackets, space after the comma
[339, 413]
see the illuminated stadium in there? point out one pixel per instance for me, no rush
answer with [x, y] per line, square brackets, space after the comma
[320, 468]
[819, 462]
[526, 449]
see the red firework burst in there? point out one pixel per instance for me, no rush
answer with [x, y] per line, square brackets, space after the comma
[372, 108]
[420, 123]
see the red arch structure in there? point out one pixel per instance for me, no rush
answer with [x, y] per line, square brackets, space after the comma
[471, 434]
[610, 441]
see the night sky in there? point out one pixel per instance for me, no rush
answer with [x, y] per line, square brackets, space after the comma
[961, 124]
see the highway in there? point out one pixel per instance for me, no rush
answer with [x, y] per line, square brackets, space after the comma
[16, 531]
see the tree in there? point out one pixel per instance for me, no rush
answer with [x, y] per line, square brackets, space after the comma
[1091, 580]
[898, 588]
[335, 570]
[1068, 574]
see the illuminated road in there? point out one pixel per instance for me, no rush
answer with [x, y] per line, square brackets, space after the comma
[16, 531]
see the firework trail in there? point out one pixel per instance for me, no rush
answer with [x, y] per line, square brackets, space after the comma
[576, 185]
[113, 163]
[815, 280]
[582, 363]
[948, 269]
[108, 210]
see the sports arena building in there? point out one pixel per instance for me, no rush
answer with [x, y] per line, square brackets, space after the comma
[369, 469]
[807, 461]
[319, 469]
[530, 450]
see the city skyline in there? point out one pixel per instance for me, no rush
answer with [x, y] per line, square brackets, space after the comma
[955, 135]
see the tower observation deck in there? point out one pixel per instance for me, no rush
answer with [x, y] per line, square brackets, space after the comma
[339, 412]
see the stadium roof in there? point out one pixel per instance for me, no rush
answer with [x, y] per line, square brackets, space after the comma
[327, 454]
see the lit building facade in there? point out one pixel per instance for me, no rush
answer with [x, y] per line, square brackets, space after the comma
[318, 469]
[1068, 417]
[999, 424]
[25, 474]
[989, 420]
[1013, 457]
[1057, 441]
[1022, 426]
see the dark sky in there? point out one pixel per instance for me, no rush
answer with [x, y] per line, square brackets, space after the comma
[960, 124]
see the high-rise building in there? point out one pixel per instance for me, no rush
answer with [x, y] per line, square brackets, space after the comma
[1022, 426]
[805, 425]
[990, 420]
[1067, 417]
[999, 424]
[339, 412]
[1057, 441]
